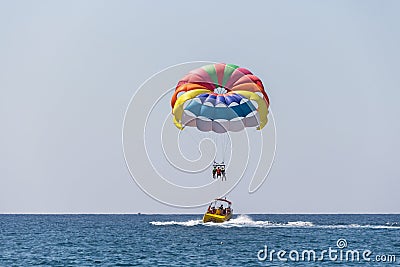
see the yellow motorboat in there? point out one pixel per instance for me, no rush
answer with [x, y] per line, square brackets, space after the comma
[218, 211]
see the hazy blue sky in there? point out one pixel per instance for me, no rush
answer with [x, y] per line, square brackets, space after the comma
[69, 68]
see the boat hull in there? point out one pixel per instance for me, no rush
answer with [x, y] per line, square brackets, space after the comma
[208, 217]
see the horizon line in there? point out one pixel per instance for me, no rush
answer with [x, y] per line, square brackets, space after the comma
[150, 213]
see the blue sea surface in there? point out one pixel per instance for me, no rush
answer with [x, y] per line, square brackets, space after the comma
[183, 240]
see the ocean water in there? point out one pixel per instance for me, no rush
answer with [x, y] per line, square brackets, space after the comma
[183, 240]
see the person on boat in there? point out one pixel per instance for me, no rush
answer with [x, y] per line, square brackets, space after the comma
[214, 171]
[218, 172]
[228, 210]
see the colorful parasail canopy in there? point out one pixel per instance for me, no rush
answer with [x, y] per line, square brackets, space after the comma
[220, 98]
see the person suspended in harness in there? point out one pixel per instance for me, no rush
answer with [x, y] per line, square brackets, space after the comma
[218, 172]
[214, 171]
[223, 173]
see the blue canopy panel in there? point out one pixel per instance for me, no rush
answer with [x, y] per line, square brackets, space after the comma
[221, 111]
[217, 99]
